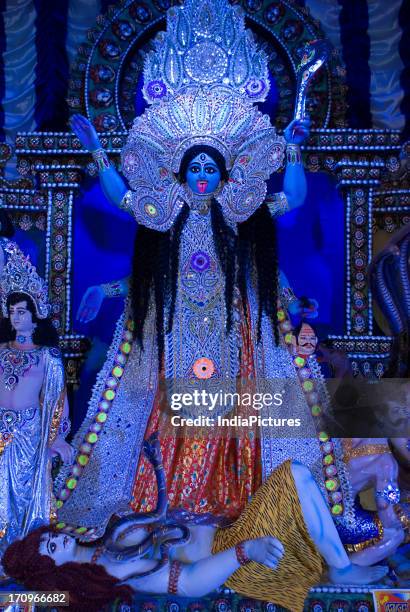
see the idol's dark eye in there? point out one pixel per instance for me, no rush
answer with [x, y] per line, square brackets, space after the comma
[210, 169]
[195, 169]
[53, 548]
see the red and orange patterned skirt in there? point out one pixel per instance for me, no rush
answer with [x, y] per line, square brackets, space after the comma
[217, 472]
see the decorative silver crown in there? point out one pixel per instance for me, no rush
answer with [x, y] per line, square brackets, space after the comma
[205, 43]
[202, 81]
[19, 275]
[213, 116]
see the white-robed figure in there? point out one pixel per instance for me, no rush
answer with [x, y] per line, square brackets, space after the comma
[33, 401]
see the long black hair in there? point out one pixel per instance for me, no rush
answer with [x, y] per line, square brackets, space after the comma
[250, 253]
[154, 272]
[45, 334]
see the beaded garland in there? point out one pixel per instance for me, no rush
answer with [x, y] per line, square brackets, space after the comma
[94, 431]
[309, 386]
[305, 375]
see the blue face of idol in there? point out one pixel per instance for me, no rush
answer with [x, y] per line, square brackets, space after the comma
[203, 175]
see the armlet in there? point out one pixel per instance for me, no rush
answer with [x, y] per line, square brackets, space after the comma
[56, 419]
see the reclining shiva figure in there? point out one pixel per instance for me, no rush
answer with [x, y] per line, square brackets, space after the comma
[275, 551]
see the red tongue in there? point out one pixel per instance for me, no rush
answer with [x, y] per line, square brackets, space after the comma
[202, 185]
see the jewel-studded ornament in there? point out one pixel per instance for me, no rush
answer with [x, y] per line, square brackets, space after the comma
[205, 43]
[19, 275]
[16, 363]
[390, 494]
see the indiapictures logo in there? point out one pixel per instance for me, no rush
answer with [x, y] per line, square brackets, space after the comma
[391, 600]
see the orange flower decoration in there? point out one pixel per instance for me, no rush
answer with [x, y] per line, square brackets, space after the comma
[203, 368]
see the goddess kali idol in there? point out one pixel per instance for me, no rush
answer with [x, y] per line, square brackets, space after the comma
[202, 309]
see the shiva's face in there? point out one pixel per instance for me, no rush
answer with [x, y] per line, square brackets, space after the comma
[203, 175]
[58, 546]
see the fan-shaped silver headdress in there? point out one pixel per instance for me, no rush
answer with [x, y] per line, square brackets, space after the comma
[206, 43]
[201, 80]
[19, 275]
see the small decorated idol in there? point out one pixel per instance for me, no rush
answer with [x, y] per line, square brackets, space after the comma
[33, 402]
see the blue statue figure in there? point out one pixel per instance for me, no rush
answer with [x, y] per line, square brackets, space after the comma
[202, 311]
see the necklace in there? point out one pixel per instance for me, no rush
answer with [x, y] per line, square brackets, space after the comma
[16, 363]
[24, 339]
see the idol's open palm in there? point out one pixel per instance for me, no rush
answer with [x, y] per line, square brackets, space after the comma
[90, 304]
